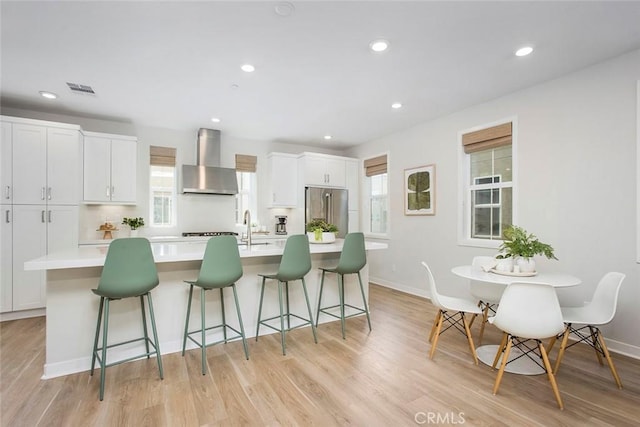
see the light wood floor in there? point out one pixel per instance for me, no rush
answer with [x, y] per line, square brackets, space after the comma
[379, 379]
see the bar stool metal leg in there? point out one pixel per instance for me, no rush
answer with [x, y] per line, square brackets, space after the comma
[306, 298]
[260, 308]
[244, 340]
[282, 330]
[186, 324]
[364, 301]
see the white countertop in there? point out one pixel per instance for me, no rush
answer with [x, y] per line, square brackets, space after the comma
[94, 256]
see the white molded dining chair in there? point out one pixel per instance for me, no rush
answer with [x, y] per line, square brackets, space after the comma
[489, 294]
[528, 311]
[446, 304]
[599, 311]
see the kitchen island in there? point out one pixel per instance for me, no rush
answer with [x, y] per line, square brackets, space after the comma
[72, 308]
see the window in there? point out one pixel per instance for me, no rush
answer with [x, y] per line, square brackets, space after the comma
[247, 197]
[488, 185]
[162, 186]
[377, 186]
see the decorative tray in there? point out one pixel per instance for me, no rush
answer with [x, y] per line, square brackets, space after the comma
[510, 273]
[320, 242]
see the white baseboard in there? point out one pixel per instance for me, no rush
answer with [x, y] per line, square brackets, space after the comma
[24, 314]
[614, 346]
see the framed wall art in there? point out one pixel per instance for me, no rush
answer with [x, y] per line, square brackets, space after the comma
[420, 190]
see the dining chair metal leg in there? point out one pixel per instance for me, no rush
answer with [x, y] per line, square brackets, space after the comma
[505, 357]
[282, 330]
[320, 298]
[436, 335]
[306, 298]
[224, 317]
[341, 294]
[364, 301]
[468, 332]
[155, 335]
[103, 361]
[97, 336]
[144, 326]
[244, 339]
[552, 378]
[501, 348]
[186, 323]
[260, 307]
[203, 350]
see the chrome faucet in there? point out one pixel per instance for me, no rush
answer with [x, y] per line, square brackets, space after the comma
[247, 221]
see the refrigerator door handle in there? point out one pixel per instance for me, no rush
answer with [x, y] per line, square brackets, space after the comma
[328, 209]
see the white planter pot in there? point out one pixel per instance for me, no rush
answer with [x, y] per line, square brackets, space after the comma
[504, 264]
[321, 237]
[133, 233]
[527, 265]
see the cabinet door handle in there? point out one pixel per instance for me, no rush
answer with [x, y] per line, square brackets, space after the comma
[7, 192]
[108, 191]
[49, 216]
[49, 193]
[113, 191]
[7, 218]
[42, 191]
[42, 217]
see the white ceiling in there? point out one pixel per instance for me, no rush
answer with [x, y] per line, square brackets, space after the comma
[177, 64]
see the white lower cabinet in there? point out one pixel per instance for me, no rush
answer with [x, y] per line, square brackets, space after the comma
[6, 259]
[38, 230]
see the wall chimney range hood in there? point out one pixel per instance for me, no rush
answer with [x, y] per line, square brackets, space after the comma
[207, 177]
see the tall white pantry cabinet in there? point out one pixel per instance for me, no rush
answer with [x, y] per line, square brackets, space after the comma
[40, 182]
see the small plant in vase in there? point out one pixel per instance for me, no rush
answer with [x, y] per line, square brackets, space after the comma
[522, 246]
[320, 231]
[134, 224]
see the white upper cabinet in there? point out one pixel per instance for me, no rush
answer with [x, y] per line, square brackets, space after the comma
[322, 170]
[6, 184]
[110, 163]
[283, 180]
[46, 165]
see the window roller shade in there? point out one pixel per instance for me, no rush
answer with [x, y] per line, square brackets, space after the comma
[162, 156]
[484, 139]
[246, 163]
[376, 165]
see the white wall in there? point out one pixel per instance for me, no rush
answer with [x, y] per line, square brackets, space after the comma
[195, 212]
[576, 172]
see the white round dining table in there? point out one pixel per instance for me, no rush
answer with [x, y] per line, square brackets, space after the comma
[517, 364]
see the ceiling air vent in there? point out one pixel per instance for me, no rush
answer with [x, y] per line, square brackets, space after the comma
[80, 88]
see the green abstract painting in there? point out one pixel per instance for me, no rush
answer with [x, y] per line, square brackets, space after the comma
[420, 190]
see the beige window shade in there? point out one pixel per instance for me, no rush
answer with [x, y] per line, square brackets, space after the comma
[245, 163]
[485, 139]
[376, 165]
[162, 156]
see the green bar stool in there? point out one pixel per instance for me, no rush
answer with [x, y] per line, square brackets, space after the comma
[221, 268]
[294, 265]
[352, 259]
[129, 271]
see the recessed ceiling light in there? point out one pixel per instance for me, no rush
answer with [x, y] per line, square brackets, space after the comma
[48, 95]
[248, 68]
[328, 137]
[524, 51]
[215, 120]
[284, 9]
[379, 45]
[396, 105]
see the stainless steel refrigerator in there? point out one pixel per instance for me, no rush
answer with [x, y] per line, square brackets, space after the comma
[330, 204]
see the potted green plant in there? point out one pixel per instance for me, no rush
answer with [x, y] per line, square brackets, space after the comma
[522, 246]
[320, 231]
[134, 224]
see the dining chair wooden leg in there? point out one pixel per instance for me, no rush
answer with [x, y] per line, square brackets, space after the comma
[594, 340]
[473, 318]
[552, 378]
[605, 350]
[552, 342]
[563, 347]
[503, 343]
[505, 357]
[436, 335]
[468, 332]
[435, 324]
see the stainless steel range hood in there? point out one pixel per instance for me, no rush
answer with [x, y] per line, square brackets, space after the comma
[207, 177]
